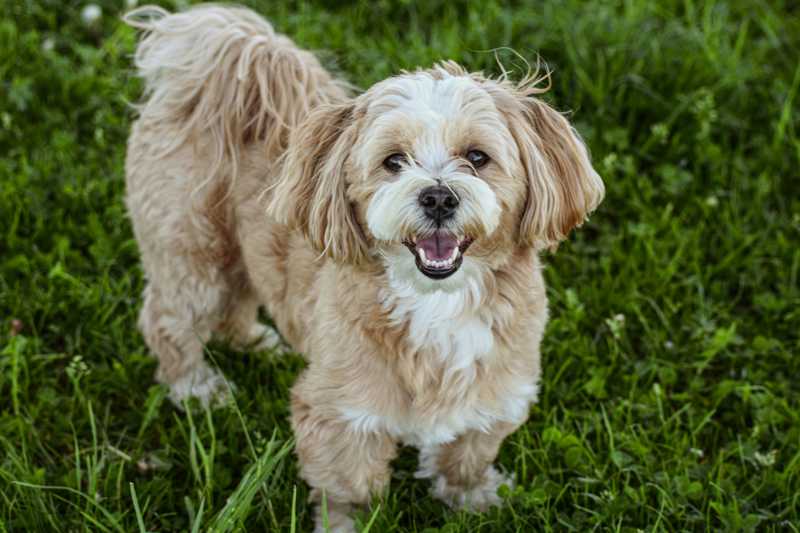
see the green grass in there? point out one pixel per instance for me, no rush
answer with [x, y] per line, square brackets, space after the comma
[671, 368]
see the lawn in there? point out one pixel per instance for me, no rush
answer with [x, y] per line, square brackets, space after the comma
[670, 396]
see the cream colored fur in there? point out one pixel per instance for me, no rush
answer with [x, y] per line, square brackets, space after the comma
[255, 178]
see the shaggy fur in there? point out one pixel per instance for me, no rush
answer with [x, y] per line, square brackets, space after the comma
[255, 178]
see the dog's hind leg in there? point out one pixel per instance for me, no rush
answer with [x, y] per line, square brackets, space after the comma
[240, 325]
[176, 323]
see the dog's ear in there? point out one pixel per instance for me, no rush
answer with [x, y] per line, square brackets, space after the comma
[562, 186]
[311, 193]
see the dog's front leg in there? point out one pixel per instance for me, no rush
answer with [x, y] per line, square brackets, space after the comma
[462, 472]
[341, 463]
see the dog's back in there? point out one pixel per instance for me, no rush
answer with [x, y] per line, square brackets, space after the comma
[220, 86]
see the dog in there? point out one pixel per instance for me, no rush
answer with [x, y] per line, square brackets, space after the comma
[392, 235]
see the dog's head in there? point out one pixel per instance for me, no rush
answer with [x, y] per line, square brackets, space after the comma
[440, 174]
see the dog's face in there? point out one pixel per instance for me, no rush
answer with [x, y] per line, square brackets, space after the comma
[439, 174]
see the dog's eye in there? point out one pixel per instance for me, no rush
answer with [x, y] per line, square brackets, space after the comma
[477, 158]
[394, 162]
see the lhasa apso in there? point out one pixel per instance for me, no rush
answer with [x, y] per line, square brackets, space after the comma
[392, 235]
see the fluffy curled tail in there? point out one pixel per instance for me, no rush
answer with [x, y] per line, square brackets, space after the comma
[221, 75]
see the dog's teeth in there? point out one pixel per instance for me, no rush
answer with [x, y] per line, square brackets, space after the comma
[432, 263]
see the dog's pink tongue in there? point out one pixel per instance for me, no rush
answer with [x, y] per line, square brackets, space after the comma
[438, 246]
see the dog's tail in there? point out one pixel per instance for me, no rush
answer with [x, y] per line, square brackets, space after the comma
[222, 75]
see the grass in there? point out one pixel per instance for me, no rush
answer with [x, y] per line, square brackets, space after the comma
[671, 368]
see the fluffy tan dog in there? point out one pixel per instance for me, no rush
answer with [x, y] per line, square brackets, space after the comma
[393, 236]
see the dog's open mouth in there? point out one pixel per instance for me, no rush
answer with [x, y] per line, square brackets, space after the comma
[439, 254]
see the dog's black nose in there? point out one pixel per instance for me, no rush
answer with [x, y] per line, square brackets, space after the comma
[438, 202]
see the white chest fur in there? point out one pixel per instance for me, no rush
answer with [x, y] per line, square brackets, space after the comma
[450, 324]
[457, 329]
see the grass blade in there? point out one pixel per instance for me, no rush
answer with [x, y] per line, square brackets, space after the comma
[239, 503]
[137, 510]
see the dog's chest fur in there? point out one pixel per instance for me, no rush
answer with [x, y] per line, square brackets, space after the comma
[448, 369]
[449, 324]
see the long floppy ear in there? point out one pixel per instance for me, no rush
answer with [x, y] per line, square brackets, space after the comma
[563, 188]
[311, 193]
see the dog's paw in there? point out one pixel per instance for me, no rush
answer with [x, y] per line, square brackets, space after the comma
[205, 384]
[263, 337]
[259, 337]
[478, 498]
